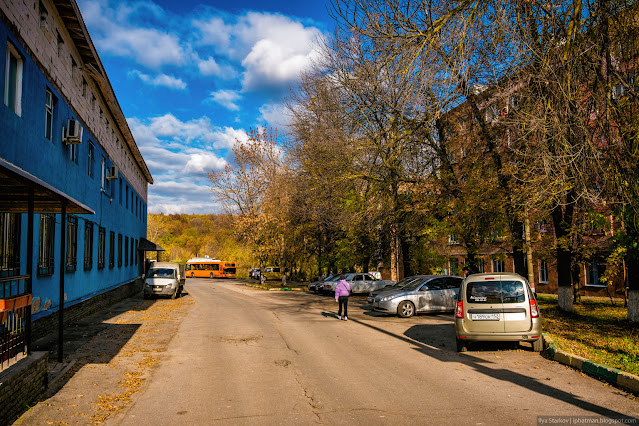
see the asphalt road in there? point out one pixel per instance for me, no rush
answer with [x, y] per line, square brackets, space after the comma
[246, 356]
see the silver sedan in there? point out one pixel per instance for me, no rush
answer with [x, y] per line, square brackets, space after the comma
[430, 293]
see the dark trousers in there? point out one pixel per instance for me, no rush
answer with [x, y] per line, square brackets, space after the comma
[343, 301]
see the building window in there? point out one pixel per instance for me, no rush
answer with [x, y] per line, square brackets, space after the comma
[72, 243]
[595, 269]
[127, 197]
[120, 191]
[73, 152]
[543, 271]
[9, 244]
[101, 247]
[454, 266]
[136, 252]
[84, 87]
[60, 44]
[132, 252]
[499, 265]
[91, 160]
[48, 115]
[119, 250]
[452, 239]
[44, 14]
[126, 251]
[13, 80]
[46, 260]
[111, 249]
[88, 246]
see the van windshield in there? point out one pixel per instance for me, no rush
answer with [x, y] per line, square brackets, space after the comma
[495, 292]
[162, 273]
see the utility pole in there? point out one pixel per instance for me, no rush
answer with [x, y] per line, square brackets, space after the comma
[529, 256]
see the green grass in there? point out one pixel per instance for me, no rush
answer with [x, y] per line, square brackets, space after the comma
[596, 330]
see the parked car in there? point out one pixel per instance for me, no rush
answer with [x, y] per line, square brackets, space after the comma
[497, 307]
[399, 284]
[274, 272]
[427, 293]
[164, 279]
[359, 282]
[317, 286]
[254, 273]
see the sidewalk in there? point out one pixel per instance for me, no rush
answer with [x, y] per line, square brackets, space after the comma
[109, 357]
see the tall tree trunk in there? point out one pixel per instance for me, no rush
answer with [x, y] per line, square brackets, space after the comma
[397, 266]
[562, 222]
[632, 263]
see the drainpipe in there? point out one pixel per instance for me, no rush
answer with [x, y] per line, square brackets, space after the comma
[63, 260]
[29, 286]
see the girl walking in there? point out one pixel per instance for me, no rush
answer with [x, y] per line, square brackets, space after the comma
[342, 291]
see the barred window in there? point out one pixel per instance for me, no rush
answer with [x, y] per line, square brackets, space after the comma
[88, 245]
[111, 249]
[46, 259]
[126, 251]
[72, 243]
[101, 247]
[9, 244]
[119, 250]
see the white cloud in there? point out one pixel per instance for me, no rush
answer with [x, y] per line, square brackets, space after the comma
[161, 80]
[113, 34]
[204, 163]
[226, 98]
[275, 115]
[274, 49]
[211, 67]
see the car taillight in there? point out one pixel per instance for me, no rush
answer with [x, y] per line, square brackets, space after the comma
[459, 311]
[534, 311]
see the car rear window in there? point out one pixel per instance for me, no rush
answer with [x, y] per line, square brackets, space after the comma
[495, 292]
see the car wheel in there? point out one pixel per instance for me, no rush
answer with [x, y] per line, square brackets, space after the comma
[192, 274]
[462, 346]
[405, 309]
[174, 295]
[538, 345]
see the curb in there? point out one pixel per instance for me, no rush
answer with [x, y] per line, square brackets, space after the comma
[626, 381]
[260, 287]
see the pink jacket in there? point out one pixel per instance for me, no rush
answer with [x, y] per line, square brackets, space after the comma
[342, 289]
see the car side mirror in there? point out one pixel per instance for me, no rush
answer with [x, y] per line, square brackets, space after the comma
[424, 288]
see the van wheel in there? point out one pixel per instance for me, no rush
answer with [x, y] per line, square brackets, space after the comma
[405, 309]
[462, 346]
[192, 274]
[538, 345]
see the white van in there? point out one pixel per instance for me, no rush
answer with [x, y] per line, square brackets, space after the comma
[164, 279]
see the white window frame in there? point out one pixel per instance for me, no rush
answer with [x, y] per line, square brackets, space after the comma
[500, 263]
[48, 115]
[12, 51]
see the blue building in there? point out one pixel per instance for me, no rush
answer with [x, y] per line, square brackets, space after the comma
[73, 184]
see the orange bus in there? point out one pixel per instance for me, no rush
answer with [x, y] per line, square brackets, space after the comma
[206, 267]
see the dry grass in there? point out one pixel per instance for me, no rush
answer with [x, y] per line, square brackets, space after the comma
[596, 330]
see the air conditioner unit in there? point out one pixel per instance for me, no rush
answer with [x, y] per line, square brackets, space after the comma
[112, 173]
[73, 133]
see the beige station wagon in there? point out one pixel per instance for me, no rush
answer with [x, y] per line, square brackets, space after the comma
[497, 307]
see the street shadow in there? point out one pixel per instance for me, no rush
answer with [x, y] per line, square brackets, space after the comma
[330, 315]
[434, 340]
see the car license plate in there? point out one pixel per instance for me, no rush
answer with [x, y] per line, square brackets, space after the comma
[484, 317]
[157, 288]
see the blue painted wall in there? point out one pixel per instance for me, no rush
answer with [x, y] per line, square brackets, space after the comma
[24, 144]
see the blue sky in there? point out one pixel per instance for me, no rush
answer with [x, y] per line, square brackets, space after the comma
[192, 78]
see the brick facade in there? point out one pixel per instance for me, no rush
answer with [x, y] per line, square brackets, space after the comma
[21, 384]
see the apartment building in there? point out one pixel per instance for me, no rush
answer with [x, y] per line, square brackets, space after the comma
[71, 174]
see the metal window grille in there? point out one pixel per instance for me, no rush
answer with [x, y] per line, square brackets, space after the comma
[72, 244]
[46, 259]
[88, 245]
[112, 249]
[9, 244]
[101, 247]
[119, 250]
